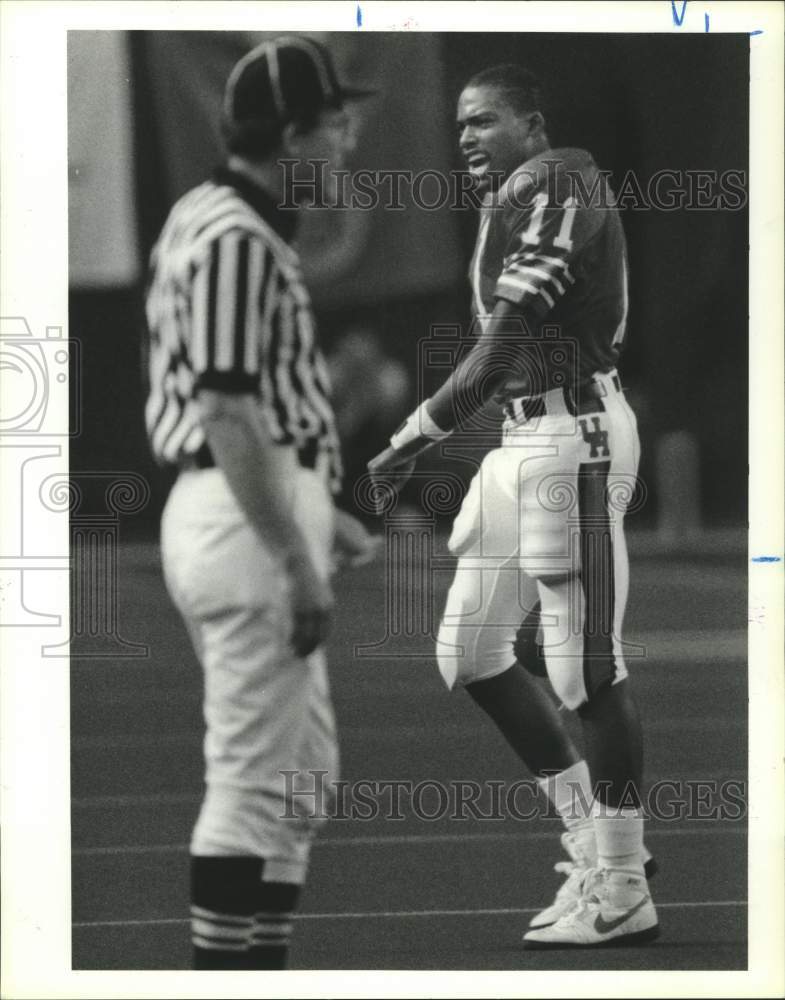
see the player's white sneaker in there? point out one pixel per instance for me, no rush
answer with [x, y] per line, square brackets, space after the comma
[569, 891]
[582, 857]
[614, 909]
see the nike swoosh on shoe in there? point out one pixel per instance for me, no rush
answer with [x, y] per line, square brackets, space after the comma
[603, 926]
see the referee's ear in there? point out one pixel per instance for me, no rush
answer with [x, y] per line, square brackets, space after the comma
[290, 139]
[293, 134]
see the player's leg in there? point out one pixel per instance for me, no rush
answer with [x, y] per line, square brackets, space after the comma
[611, 725]
[614, 739]
[488, 598]
[475, 645]
[586, 667]
[478, 649]
[528, 720]
[620, 897]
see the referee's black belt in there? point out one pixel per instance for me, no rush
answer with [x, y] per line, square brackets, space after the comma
[203, 458]
[574, 400]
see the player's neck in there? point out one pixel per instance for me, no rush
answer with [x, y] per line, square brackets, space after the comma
[537, 147]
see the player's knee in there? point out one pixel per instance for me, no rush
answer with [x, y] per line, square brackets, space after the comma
[471, 653]
[551, 575]
[584, 688]
[451, 656]
[566, 679]
[527, 647]
[608, 690]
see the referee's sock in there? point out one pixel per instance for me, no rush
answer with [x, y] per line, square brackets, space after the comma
[238, 921]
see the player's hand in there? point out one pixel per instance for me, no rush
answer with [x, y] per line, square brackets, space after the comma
[312, 605]
[354, 546]
[393, 465]
[398, 459]
[391, 468]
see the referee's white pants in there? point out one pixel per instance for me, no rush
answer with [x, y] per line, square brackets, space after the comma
[270, 738]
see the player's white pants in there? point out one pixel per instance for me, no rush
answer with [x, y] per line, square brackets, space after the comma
[544, 520]
[267, 711]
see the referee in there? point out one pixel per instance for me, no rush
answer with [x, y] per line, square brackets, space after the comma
[239, 401]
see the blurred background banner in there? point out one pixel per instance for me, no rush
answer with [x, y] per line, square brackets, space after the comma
[103, 251]
[143, 128]
[349, 256]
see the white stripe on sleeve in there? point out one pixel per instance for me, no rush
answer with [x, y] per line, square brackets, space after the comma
[226, 296]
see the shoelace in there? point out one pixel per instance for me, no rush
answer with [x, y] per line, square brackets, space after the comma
[573, 873]
[578, 858]
[593, 882]
[572, 869]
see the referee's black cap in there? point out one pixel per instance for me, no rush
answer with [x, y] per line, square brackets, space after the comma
[289, 78]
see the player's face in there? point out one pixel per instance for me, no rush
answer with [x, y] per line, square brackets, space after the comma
[494, 138]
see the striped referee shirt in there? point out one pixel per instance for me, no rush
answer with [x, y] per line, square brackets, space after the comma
[227, 310]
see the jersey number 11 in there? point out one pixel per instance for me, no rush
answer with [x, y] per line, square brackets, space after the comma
[562, 240]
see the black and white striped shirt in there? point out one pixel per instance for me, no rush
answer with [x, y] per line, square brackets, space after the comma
[227, 310]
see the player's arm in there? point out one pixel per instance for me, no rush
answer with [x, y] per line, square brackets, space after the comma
[262, 474]
[499, 350]
[542, 240]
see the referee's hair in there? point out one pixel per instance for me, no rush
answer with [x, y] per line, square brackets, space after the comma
[258, 138]
[521, 88]
[254, 139]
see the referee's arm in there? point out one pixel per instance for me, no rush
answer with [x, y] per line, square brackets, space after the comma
[261, 475]
[260, 472]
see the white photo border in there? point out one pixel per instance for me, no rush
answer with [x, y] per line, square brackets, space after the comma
[35, 692]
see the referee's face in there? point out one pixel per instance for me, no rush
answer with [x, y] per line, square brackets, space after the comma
[493, 137]
[327, 142]
[331, 138]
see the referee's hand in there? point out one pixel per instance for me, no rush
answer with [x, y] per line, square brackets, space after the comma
[312, 604]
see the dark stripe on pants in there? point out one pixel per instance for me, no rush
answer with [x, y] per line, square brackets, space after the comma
[597, 576]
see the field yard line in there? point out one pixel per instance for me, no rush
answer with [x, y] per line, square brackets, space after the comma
[383, 914]
[193, 739]
[136, 799]
[140, 799]
[410, 838]
[662, 647]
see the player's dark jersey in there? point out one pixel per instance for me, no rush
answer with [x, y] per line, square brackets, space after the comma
[551, 241]
[227, 310]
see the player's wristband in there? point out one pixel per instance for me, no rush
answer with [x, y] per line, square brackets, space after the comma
[416, 427]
